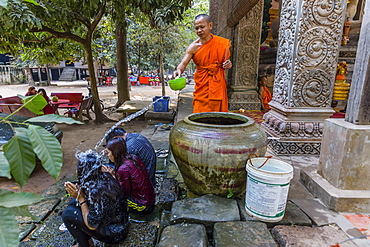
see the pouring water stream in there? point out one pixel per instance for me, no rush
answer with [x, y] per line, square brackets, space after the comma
[126, 119]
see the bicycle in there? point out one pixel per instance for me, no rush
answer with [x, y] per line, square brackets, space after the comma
[92, 106]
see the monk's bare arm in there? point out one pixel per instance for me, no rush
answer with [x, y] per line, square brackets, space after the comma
[192, 48]
[227, 63]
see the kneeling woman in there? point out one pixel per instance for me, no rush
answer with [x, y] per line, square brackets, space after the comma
[98, 208]
[132, 176]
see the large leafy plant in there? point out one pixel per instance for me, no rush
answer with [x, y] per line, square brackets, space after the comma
[18, 160]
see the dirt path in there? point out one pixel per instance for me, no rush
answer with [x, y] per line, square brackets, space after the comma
[82, 137]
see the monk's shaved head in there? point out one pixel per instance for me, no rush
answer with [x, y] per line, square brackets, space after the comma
[207, 18]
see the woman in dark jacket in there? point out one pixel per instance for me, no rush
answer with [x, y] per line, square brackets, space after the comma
[132, 176]
[98, 208]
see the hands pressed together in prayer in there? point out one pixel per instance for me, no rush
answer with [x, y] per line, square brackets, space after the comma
[74, 191]
[108, 169]
[227, 64]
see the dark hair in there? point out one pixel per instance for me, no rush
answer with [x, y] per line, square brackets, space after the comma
[42, 90]
[31, 88]
[260, 78]
[115, 132]
[96, 184]
[205, 16]
[117, 145]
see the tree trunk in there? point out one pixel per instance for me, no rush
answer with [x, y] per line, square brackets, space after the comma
[138, 60]
[161, 67]
[48, 81]
[99, 116]
[29, 78]
[123, 86]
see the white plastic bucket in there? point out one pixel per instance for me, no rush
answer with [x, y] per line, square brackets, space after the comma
[267, 188]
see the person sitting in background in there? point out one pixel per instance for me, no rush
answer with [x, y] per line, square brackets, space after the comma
[264, 93]
[31, 91]
[98, 208]
[139, 146]
[132, 176]
[48, 109]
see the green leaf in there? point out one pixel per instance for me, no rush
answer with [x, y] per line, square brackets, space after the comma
[3, 3]
[53, 118]
[22, 211]
[231, 194]
[4, 166]
[19, 199]
[8, 228]
[5, 192]
[21, 157]
[32, 1]
[47, 149]
[34, 103]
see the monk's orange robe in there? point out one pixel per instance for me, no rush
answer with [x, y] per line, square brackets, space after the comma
[210, 93]
[266, 97]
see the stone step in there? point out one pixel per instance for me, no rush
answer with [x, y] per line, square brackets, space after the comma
[68, 74]
[310, 236]
[242, 233]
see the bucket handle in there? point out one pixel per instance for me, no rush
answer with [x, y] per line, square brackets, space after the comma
[250, 159]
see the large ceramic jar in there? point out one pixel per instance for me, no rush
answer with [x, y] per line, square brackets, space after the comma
[211, 150]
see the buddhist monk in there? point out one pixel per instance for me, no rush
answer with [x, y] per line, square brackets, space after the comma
[210, 53]
[264, 93]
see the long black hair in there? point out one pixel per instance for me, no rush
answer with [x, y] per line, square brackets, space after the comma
[117, 145]
[95, 183]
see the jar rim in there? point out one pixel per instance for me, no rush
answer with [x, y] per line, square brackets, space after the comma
[246, 121]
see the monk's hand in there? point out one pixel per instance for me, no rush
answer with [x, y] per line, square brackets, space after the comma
[227, 64]
[176, 73]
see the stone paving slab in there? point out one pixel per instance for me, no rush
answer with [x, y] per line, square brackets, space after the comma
[293, 215]
[40, 210]
[242, 233]
[24, 230]
[184, 235]
[324, 216]
[207, 208]
[133, 106]
[310, 236]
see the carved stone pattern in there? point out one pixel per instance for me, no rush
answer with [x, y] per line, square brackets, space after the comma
[245, 106]
[293, 129]
[323, 13]
[294, 148]
[244, 96]
[318, 43]
[312, 88]
[248, 47]
[253, 17]
[284, 60]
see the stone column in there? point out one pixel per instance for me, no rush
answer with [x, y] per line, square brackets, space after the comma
[213, 13]
[246, 56]
[309, 40]
[342, 180]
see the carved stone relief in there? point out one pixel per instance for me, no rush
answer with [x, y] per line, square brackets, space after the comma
[284, 61]
[319, 26]
[246, 67]
[294, 148]
[296, 129]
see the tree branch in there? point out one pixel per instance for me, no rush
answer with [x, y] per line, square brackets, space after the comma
[65, 35]
[37, 40]
[98, 16]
